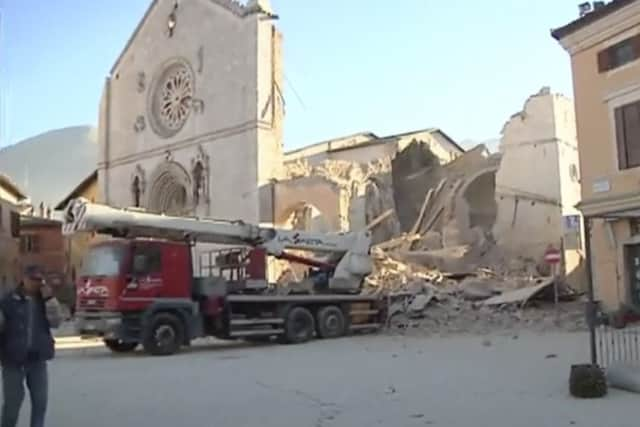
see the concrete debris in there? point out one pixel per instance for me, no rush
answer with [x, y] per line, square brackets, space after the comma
[419, 304]
[430, 300]
[434, 251]
[379, 219]
[520, 296]
[478, 288]
[429, 241]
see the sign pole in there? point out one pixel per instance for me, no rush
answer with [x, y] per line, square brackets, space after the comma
[552, 257]
[555, 291]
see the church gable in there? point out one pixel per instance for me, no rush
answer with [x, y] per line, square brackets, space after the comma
[232, 6]
[181, 106]
[188, 70]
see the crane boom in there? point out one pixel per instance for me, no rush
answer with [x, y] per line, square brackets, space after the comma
[352, 248]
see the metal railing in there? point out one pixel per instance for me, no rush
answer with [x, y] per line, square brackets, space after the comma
[618, 345]
[615, 339]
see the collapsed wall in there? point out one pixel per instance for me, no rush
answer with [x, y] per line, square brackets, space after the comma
[447, 205]
[454, 202]
[537, 186]
[361, 192]
[478, 209]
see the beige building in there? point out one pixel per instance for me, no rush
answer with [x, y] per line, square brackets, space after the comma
[604, 46]
[537, 183]
[13, 202]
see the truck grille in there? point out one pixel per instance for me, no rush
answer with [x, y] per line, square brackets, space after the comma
[91, 303]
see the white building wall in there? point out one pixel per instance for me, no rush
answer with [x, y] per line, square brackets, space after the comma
[569, 172]
[529, 190]
[226, 54]
[234, 119]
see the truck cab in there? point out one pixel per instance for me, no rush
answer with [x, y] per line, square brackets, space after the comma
[124, 282]
[126, 274]
[122, 279]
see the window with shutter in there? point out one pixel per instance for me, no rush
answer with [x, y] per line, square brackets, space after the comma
[631, 115]
[627, 122]
[603, 61]
[619, 54]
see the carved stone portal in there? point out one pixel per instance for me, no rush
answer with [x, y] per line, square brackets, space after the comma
[169, 190]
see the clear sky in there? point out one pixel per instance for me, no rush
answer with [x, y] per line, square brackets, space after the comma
[351, 65]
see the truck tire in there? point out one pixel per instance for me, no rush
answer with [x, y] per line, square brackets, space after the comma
[118, 346]
[299, 326]
[164, 336]
[330, 322]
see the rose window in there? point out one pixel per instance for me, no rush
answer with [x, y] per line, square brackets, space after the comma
[171, 99]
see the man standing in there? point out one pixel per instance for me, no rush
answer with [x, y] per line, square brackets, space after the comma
[27, 315]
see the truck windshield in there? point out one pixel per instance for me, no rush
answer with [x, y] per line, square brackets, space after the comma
[103, 261]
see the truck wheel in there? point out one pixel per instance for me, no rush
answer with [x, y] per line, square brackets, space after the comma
[331, 323]
[299, 326]
[164, 336]
[118, 346]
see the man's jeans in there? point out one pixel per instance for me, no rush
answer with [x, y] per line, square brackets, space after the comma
[13, 379]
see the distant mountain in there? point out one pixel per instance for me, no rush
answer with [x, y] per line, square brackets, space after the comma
[492, 144]
[48, 166]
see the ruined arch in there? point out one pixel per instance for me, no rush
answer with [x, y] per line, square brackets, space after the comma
[314, 197]
[479, 195]
[307, 217]
[170, 190]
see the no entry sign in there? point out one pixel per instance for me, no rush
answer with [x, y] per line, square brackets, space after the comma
[552, 255]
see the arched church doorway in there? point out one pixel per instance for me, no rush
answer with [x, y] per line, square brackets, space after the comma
[170, 190]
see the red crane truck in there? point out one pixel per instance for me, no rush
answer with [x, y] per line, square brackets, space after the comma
[140, 286]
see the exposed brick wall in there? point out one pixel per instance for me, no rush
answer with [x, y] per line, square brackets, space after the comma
[42, 244]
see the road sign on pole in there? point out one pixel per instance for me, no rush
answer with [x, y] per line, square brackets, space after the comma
[552, 255]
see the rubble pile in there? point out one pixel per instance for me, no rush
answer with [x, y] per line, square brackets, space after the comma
[434, 253]
[427, 300]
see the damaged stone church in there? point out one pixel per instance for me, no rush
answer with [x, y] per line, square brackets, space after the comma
[191, 123]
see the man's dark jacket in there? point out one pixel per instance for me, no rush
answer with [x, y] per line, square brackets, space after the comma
[13, 338]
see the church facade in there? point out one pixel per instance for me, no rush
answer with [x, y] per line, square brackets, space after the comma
[191, 114]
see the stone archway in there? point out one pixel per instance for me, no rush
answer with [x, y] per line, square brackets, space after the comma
[316, 195]
[306, 217]
[479, 194]
[170, 190]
